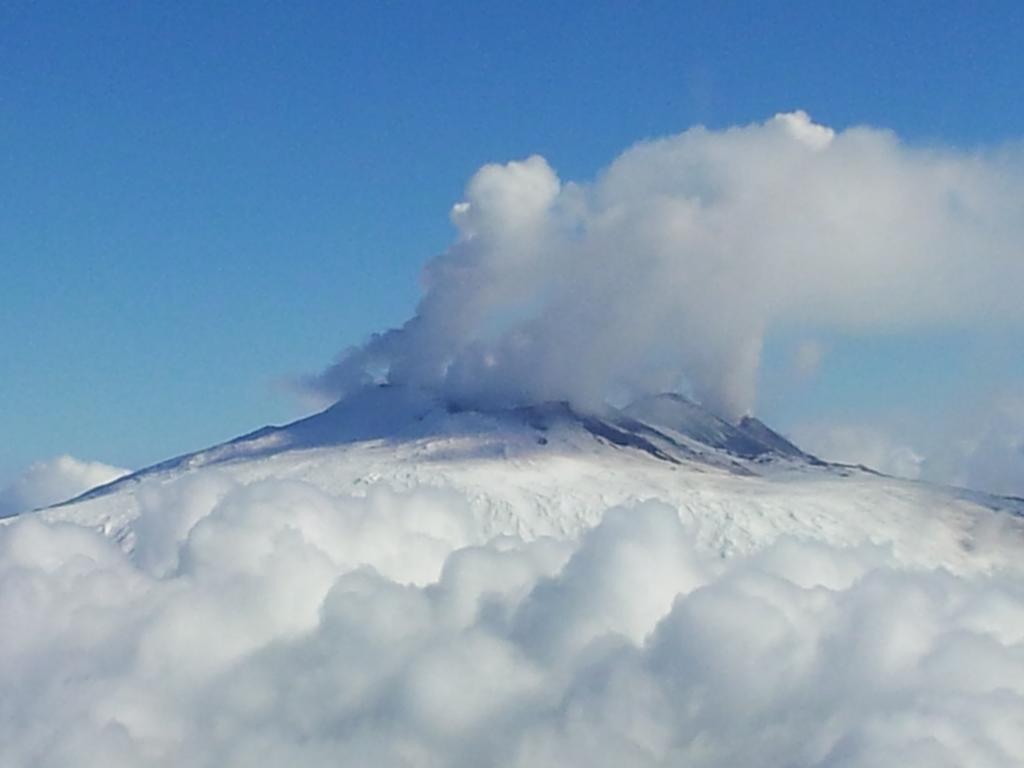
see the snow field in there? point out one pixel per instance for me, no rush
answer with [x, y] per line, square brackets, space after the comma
[354, 606]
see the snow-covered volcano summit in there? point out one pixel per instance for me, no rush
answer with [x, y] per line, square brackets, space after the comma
[668, 427]
[550, 470]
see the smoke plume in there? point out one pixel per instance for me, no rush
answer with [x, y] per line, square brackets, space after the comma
[668, 270]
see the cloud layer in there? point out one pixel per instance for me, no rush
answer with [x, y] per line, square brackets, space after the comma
[669, 269]
[276, 625]
[984, 452]
[53, 481]
[860, 444]
[990, 455]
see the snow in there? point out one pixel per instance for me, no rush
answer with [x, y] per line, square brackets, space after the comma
[397, 582]
[549, 472]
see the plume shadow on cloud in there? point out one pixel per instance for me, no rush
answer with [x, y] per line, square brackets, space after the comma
[667, 271]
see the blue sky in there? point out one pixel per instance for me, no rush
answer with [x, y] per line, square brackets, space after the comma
[199, 202]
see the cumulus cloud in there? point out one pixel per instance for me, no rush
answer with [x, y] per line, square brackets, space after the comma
[861, 444]
[278, 625]
[988, 455]
[668, 270]
[985, 451]
[53, 481]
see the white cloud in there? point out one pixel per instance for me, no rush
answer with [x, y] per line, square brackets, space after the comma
[53, 481]
[988, 455]
[871, 447]
[677, 260]
[985, 451]
[276, 625]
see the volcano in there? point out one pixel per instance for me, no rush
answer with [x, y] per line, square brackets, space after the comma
[402, 580]
[551, 470]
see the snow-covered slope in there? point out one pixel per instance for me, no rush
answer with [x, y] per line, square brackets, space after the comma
[549, 471]
[397, 582]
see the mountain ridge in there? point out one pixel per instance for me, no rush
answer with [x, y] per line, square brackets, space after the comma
[668, 427]
[549, 470]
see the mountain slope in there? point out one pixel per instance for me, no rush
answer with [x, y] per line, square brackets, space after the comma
[400, 582]
[549, 471]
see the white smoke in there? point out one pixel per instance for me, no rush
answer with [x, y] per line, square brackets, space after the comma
[670, 268]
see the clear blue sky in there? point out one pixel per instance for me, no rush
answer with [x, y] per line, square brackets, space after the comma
[200, 200]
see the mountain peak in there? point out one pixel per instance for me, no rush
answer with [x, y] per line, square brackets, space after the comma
[668, 427]
[748, 439]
